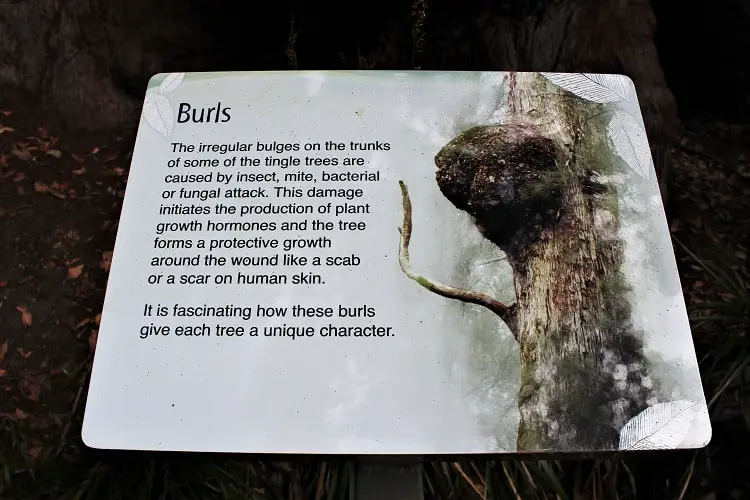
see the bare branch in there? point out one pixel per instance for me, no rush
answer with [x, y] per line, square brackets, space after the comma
[506, 313]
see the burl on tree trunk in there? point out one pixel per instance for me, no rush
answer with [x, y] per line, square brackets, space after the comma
[536, 186]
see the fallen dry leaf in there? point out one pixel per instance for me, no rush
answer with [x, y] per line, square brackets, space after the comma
[106, 261]
[78, 158]
[59, 190]
[54, 152]
[21, 152]
[79, 171]
[95, 150]
[31, 389]
[40, 187]
[19, 177]
[75, 271]
[82, 323]
[92, 340]
[72, 234]
[6, 112]
[3, 350]
[26, 318]
[4, 129]
[34, 452]
[23, 353]
[19, 414]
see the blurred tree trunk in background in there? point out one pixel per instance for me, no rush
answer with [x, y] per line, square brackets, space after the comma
[578, 36]
[82, 58]
[90, 60]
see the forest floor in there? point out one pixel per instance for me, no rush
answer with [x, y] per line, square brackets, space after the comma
[60, 198]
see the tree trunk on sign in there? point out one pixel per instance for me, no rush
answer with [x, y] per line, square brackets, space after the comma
[536, 186]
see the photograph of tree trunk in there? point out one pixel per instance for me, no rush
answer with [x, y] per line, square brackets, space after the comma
[545, 185]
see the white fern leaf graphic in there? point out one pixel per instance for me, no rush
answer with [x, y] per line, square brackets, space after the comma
[158, 113]
[171, 82]
[595, 87]
[662, 426]
[630, 142]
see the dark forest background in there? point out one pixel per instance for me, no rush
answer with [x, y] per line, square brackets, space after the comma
[91, 59]
[72, 78]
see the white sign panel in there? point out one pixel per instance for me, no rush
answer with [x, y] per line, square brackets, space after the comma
[393, 263]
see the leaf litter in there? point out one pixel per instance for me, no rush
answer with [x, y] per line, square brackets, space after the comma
[45, 346]
[25, 315]
[75, 271]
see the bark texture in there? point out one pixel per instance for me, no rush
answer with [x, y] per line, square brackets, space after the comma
[536, 187]
[90, 60]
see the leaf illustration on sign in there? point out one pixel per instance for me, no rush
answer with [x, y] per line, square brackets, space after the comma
[158, 113]
[662, 426]
[630, 142]
[595, 87]
[171, 82]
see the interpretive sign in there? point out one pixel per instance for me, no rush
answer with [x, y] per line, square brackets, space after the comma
[393, 263]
